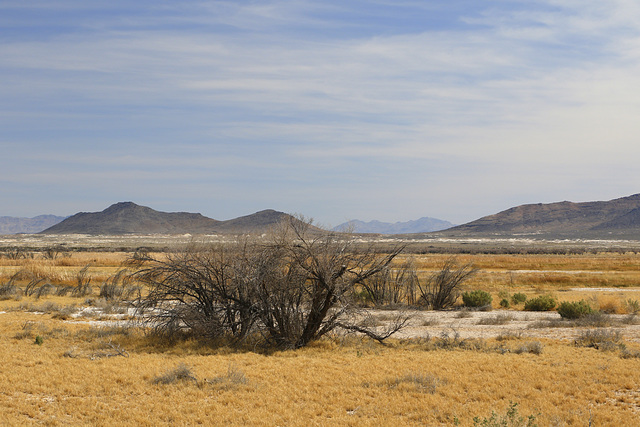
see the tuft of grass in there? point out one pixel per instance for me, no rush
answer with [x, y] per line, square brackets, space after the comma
[499, 319]
[425, 383]
[180, 373]
[533, 347]
[600, 339]
[233, 377]
[632, 306]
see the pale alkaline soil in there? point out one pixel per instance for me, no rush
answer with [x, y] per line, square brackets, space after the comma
[414, 244]
[503, 323]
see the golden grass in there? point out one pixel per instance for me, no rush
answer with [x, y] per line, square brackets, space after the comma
[75, 377]
[82, 374]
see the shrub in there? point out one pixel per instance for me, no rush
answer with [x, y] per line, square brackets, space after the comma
[504, 303]
[476, 298]
[518, 298]
[287, 290]
[541, 303]
[8, 291]
[574, 310]
[600, 339]
[441, 289]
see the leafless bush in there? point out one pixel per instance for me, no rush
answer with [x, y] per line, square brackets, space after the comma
[441, 290]
[118, 287]
[288, 291]
[9, 290]
[83, 283]
[392, 286]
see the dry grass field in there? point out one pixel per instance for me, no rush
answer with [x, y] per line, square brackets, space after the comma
[81, 360]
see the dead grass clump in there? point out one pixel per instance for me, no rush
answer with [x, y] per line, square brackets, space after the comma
[180, 373]
[610, 305]
[632, 306]
[627, 353]
[430, 321]
[533, 347]
[9, 291]
[464, 313]
[232, 378]
[499, 319]
[425, 383]
[601, 339]
[508, 336]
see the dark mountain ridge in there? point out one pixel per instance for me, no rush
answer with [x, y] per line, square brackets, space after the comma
[130, 218]
[618, 218]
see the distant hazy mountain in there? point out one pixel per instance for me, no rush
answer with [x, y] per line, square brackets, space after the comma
[129, 218]
[422, 225]
[15, 225]
[618, 218]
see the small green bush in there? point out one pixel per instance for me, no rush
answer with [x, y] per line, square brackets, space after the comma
[574, 310]
[541, 303]
[476, 298]
[518, 298]
[39, 340]
[504, 303]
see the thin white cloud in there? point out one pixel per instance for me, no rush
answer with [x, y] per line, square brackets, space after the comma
[520, 89]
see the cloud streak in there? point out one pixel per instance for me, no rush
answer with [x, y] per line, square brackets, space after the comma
[453, 110]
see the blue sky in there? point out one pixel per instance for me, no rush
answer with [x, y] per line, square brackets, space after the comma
[388, 110]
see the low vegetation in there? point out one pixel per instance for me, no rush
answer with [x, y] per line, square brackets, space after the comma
[79, 356]
[541, 303]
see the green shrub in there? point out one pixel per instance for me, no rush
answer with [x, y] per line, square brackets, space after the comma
[504, 303]
[541, 303]
[518, 298]
[476, 298]
[574, 310]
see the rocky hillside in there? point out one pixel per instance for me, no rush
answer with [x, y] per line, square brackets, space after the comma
[130, 218]
[619, 218]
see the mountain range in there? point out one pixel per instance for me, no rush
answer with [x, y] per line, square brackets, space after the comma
[422, 225]
[618, 218]
[130, 218]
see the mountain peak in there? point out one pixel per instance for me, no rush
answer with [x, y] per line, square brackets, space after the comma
[130, 218]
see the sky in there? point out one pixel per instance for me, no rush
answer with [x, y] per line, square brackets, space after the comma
[336, 110]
